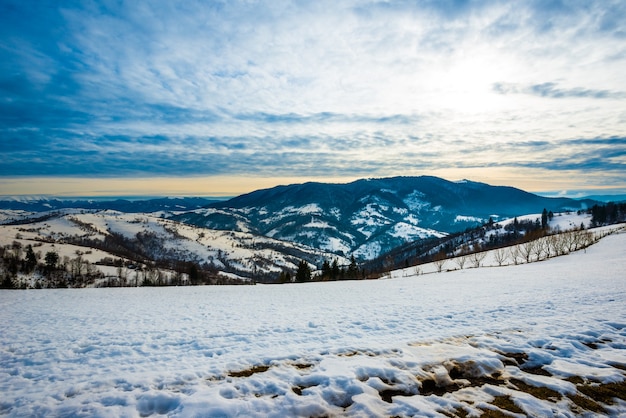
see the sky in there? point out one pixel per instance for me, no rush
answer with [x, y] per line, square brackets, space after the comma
[225, 97]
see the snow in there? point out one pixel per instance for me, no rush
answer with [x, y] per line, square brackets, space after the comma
[335, 245]
[463, 218]
[563, 221]
[358, 348]
[410, 232]
[9, 215]
[368, 251]
[415, 202]
[310, 209]
[317, 223]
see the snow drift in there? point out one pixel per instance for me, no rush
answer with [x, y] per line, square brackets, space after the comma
[540, 339]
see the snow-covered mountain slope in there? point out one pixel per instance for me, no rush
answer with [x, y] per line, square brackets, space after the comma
[143, 236]
[499, 234]
[542, 339]
[369, 217]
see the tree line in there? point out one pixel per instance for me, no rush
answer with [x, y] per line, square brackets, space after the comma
[478, 239]
[329, 272]
[22, 267]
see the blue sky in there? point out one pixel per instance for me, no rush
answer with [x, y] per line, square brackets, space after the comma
[212, 97]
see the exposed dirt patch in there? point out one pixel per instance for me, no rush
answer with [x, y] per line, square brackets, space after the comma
[249, 372]
[540, 371]
[302, 366]
[298, 389]
[619, 366]
[539, 392]
[583, 403]
[461, 375]
[514, 359]
[387, 394]
[505, 403]
[353, 353]
[605, 392]
[458, 413]
[430, 387]
[577, 380]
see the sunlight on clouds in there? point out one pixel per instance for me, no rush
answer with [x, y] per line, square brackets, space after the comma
[526, 91]
[167, 186]
[534, 180]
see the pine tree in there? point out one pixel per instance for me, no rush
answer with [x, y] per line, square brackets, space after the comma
[326, 271]
[335, 270]
[30, 262]
[304, 272]
[51, 259]
[353, 269]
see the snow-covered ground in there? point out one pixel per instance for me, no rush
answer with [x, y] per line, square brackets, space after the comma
[538, 339]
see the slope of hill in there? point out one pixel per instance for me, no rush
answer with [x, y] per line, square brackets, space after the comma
[541, 339]
[504, 233]
[369, 217]
[142, 237]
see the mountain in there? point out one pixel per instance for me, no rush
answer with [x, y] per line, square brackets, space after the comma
[369, 217]
[615, 198]
[43, 204]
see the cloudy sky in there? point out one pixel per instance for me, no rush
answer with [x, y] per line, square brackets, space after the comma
[223, 97]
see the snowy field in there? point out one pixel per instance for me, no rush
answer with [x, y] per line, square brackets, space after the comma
[539, 339]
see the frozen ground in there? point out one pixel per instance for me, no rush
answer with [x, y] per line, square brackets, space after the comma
[540, 339]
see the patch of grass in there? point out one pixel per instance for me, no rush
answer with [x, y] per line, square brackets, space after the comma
[540, 371]
[514, 359]
[619, 366]
[457, 413]
[298, 389]
[577, 380]
[387, 394]
[249, 372]
[540, 392]
[430, 387]
[592, 345]
[301, 366]
[605, 392]
[505, 403]
[585, 403]
[460, 371]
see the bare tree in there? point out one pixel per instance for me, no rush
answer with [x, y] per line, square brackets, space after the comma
[500, 255]
[569, 241]
[550, 246]
[526, 250]
[540, 248]
[461, 260]
[559, 244]
[514, 252]
[122, 274]
[439, 259]
[478, 258]
[439, 264]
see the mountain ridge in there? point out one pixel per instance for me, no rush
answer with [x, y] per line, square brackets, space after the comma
[364, 218]
[367, 217]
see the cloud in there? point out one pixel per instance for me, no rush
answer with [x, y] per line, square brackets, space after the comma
[350, 88]
[551, 90]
